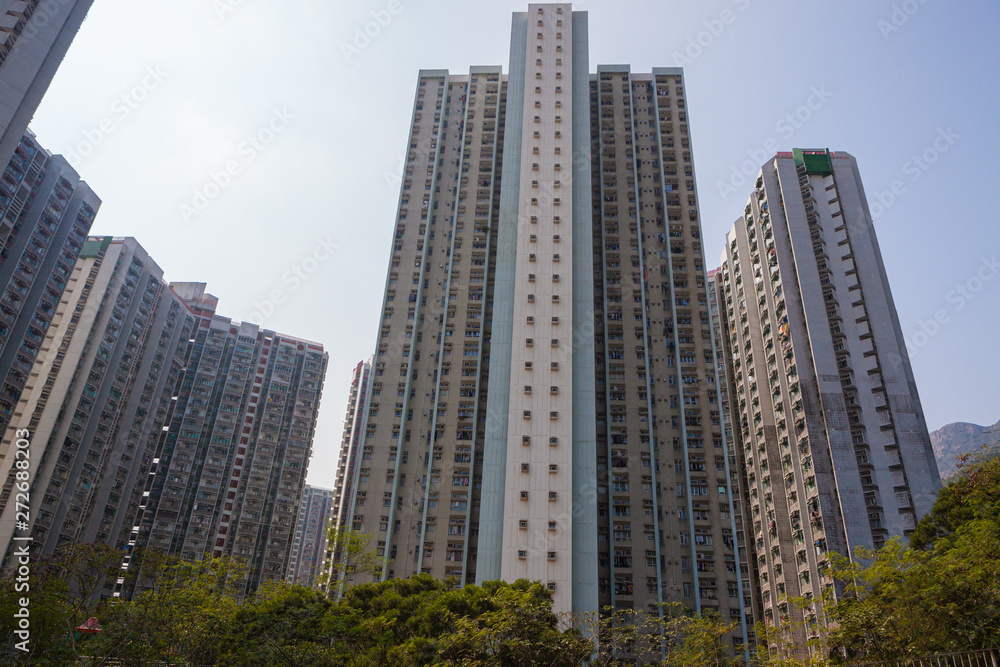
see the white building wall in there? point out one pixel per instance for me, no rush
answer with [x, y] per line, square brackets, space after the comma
[543, 291]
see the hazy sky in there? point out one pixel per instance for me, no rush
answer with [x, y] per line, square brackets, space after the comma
[304, 124]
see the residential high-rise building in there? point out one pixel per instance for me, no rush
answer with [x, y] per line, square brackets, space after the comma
[233, 461]
[45, 215]
[357, 402]
[96, 401]
[305, 565]
[36, 37]
[155, 423]
[749, 570]
[544, 399]
[824, 405]
[350, 458]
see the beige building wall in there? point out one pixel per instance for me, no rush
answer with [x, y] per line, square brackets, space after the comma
[416, 488]
[97, 398]
[599, 208]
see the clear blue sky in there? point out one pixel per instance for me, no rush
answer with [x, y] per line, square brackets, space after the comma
[888, 80]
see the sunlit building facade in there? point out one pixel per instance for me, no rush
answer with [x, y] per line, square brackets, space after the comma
[824, 406]
[544, 400]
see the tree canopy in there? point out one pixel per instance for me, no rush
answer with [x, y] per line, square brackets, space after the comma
[939, 594]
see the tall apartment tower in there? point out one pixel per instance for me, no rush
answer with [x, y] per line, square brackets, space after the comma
[45, 215]
[749, 569]
[825, 408]
[96, 400]
[545, 401]
[233, 460]
[309, 544]
[350, 445]
[36, 36]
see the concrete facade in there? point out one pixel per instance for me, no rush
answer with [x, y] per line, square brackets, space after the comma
[351, 458]
[544, 384]
[45, 215]
[350, 451]
[305, 564]
[231, 467]
[97, 400]
[34, 38]
[824, 404]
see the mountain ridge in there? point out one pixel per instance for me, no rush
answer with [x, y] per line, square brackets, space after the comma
[958, 438]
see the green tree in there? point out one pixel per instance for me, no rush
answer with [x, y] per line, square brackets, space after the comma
[64, 592]
[422, 621]
[509, 625]
[703, 641]
[973, 494]
[674, 636]
[282, 626]
[940, 595]
[352, 556]
[185, 614]
[777, 646]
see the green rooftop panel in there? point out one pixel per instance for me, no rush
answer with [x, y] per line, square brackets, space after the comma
[92, 247]
[816, 161]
